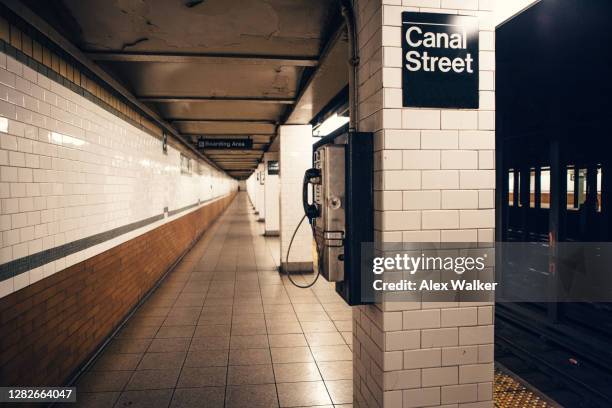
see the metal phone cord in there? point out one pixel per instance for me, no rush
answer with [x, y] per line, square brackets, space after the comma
[289, 251]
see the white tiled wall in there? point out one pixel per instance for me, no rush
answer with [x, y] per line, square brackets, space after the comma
[70, 169]
[434, 181]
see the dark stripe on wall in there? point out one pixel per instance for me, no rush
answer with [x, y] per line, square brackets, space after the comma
[187, 207]
[27, 263]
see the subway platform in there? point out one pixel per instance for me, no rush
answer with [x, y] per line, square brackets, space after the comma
[162, 161]
[225, 329]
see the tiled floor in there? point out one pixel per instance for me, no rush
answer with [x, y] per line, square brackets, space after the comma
[224, 329]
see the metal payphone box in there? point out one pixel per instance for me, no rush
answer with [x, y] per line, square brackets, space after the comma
[329, 197]
[341, 212]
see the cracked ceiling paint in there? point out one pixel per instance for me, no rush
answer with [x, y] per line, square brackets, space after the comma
[281, 27]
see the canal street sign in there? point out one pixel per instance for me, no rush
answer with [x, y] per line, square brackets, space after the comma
[237, 144]
[440, 60]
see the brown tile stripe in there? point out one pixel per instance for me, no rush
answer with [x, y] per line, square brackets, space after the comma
[50, 328]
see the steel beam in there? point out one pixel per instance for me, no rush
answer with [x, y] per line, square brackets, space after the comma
[196, 99]
[204, 58]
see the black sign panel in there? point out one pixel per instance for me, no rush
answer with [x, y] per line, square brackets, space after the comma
[273, 167]
[225, 143]
[440, 66]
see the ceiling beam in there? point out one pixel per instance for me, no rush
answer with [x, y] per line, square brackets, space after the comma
[235, 152]
[226, 162]
[215, 121]
[228, 127]
[196, 99]
[204, 58]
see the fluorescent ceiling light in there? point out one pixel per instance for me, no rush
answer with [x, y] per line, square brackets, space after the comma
[329, 125]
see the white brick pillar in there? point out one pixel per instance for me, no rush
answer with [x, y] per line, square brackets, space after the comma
[260, 196]
[251, 190]
[295, 157]
[434, 182]
[272, 199]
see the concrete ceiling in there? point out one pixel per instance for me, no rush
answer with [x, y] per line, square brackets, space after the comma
[214, 68]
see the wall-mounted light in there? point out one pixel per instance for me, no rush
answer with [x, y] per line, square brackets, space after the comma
[165, 143]
[329, 125]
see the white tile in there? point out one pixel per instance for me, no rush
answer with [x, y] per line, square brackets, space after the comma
[420, 119]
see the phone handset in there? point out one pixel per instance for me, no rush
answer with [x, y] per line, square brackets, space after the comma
[311, 176]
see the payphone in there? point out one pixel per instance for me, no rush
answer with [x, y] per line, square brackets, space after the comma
[341, 209]
[328, 208]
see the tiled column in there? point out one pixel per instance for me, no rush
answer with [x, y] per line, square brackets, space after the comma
[272, 217]
[251, 188]
[295, 157]
[261, 197]
[434, 182]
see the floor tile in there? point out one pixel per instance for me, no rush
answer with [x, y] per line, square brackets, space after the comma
[147, 332]
[117, 362]
[98, 381]
[146, 321]
[209, 343]
[343, 325]
[241, 329]
[307, 307]
[180, 320]
[253, 341]
[153, 379]
[287, 340]
[202, 377]
[324, 326]
[159, 361]
[251, 396]
[167, 345]
[296, 372]
[313, 317]
[205, 397]
[144, 399]
[284, 327]
[332, 353]
[129, 345]
[207, 358]
[249, 356]
[95, 399]
[168, 332]
[336, 370]
[302, 394]
[291, 355]
[212, 330]
[340, 391]
[324, 339]
[251, 374]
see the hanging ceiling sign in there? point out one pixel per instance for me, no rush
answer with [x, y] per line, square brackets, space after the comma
[237, 144]
[440, 66]
[273, 167]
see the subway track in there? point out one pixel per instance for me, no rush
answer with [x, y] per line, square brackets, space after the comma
[549, 368]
